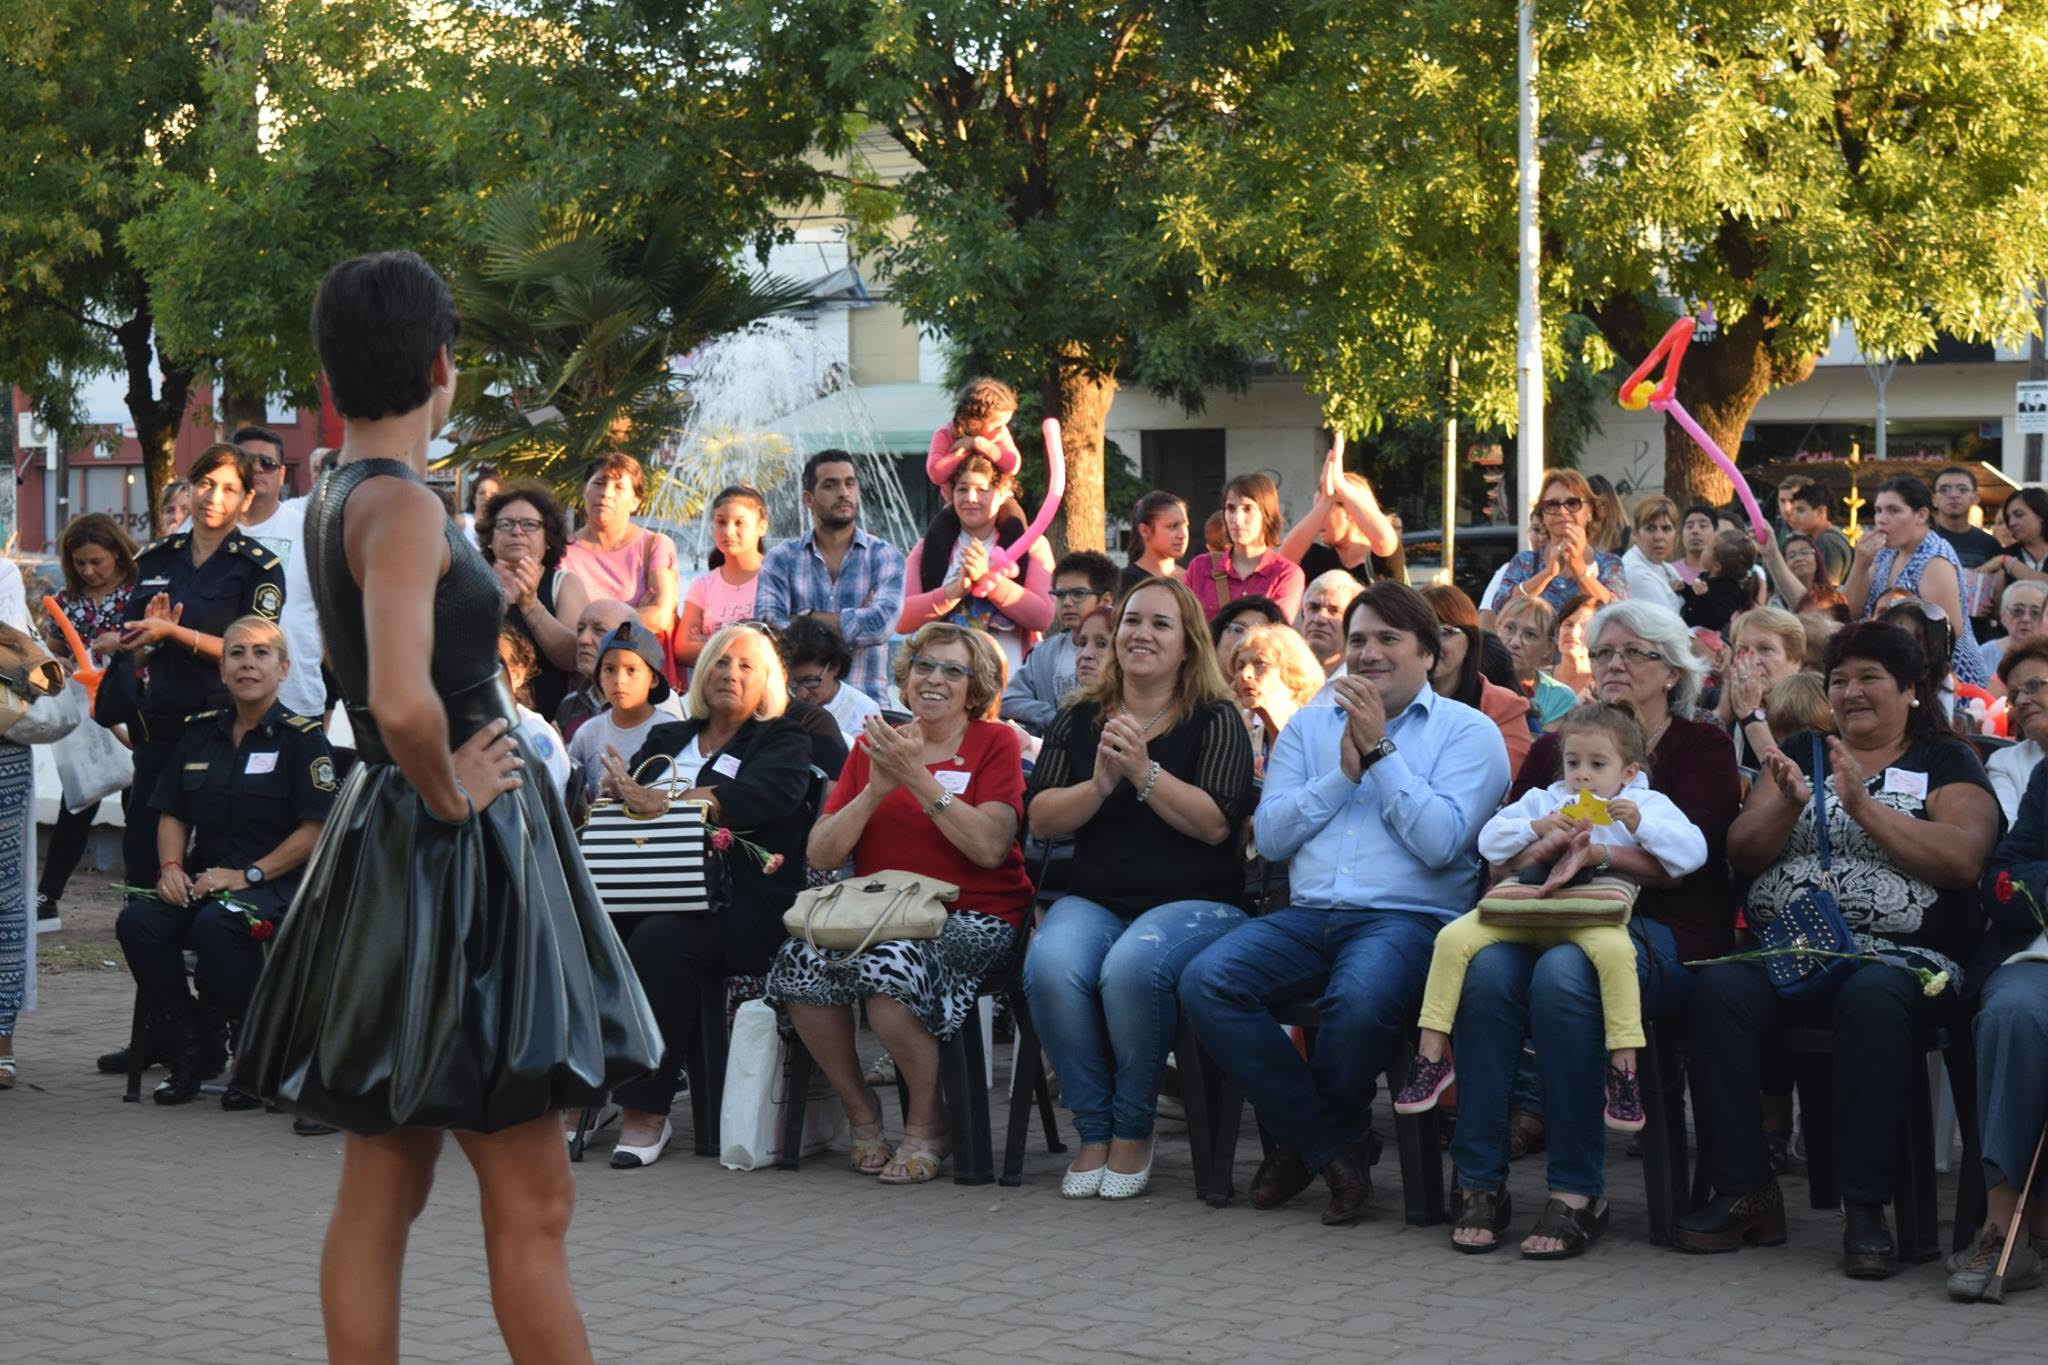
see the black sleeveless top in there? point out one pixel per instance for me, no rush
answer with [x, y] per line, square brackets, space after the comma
[467, 612]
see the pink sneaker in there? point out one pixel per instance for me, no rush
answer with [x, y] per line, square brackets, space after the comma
[1624, 1101]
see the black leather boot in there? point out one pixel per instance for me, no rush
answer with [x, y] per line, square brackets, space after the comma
[1868, 1252]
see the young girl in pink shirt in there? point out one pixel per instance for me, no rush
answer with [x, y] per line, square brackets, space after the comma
[983, 408]
[724, 593]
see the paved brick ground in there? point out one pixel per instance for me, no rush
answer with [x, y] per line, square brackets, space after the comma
[139, 1234]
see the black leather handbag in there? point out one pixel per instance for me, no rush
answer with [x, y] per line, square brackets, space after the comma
[1808, 943]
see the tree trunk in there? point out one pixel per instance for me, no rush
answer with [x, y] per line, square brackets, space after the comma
[157, 414]
[1081, 401]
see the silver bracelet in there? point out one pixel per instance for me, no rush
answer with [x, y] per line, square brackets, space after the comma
[1151, 780]
[945, 800]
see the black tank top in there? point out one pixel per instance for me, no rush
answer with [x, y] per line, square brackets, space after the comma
[467, 608]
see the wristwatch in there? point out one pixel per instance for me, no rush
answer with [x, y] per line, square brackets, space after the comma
[253, 875]
[1758, 717]
[1376, 752]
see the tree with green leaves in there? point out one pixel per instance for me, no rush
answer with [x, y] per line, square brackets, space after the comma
[1033, 130]
[1795, 165]
[569, 330]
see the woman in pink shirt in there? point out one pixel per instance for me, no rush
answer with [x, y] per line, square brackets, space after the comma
[616, 558]
[944, 569]
[724, 593]
[1251, 567]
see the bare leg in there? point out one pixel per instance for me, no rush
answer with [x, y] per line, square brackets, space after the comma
[917, 1061]
[1434, 1043]
[528, 1197]
[384, 1185]
[827, 1030]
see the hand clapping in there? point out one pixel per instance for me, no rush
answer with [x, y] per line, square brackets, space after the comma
[1122, 752]
[895, 757]
[1787, 777]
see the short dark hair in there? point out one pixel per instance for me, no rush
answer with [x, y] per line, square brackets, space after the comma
[1705, 509]
[554, 516]
[1961, 469]
[95, 528]
[619, 463]
[1258, 487]
[1231, 610]
[822, 458]
[1897, 651]
[1910, 489]
[1403, 608]
[245, 434]
[218, 454]
[809, 640]
[1102, 574]
[378, 322]
[2030, 651]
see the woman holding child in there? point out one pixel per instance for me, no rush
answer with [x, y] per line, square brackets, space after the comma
[1641, 654]
[1911, 822]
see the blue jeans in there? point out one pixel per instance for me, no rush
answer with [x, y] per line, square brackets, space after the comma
[1550, 996]
[1363, 969]
[1102, 997]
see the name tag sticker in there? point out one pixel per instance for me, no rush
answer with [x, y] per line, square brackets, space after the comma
[953, 780]
[726, 765]
[261, 763]
[1905, 783]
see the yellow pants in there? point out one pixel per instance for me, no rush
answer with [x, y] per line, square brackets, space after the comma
[1606, 946]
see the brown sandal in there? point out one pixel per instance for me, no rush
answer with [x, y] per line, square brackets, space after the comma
[1576, 1228]
[1485, 1210]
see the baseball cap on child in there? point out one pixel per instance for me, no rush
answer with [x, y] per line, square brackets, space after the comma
[638, 639]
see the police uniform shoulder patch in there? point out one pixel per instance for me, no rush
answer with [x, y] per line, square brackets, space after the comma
[269, 601]
[177, 541]
[198, 716]
[250, 548]
[323, 773]
[303, 724]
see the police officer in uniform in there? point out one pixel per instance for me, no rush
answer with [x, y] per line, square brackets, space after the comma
[190, 586]
[240, 805]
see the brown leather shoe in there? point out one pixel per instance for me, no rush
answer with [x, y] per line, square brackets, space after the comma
[1349, 1174]
[1281, 1176]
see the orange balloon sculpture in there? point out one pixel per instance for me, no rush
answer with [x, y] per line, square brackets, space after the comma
[85, 672]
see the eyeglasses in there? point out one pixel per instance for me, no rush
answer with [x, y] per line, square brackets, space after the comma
[808, 682]
[1072, 594]
[924, 668]
[1549, 505]
[267, 463]
[530, 525]
[2031, 689]
[1630, 654]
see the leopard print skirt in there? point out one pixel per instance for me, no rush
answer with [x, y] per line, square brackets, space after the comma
[936, 979]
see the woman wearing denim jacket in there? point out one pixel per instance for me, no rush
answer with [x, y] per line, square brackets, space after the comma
[1150, 771]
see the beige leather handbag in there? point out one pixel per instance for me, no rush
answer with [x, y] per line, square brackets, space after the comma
[853, 915]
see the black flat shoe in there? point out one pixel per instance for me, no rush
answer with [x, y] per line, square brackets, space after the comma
[235, 1102]
[1732, 1221]
[1868, 1252]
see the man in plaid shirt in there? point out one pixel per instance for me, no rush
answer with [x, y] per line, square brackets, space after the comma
[839, 571]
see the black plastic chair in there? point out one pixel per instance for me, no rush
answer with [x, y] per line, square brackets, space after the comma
[1667, 1187]
[1914, 1204]
[1417, 1137]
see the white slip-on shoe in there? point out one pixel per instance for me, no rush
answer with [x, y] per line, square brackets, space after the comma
[626, 1158]
[1117, 1185]
[1082, 1184]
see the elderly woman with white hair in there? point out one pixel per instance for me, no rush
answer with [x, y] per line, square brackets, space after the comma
[738, 752]
[1321, 621]
[1641, 654]
[2019, 611]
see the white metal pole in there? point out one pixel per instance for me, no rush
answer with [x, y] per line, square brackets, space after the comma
[1450, 521]
[1528, 320]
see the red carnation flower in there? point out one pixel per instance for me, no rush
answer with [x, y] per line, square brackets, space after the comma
[2001, 887]
[773, 865]
[721, 839]
[261, 929]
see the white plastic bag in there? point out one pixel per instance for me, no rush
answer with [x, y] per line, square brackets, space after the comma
[92, 765]
[756, 1094]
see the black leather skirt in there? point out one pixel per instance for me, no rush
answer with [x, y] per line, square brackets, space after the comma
[442, 976]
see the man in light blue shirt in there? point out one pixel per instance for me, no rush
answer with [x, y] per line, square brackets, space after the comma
[1375, 794]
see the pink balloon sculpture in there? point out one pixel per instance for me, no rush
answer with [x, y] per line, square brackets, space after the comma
[1639, 392]
[1055, 489]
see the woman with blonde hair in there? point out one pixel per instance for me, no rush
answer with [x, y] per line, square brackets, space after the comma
[1768, 646]
[1647, 563]
[1273, 673]
[940, 797]
[1151, 757]
[739, 752]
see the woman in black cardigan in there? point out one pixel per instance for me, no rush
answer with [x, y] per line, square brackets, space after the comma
[740, 753]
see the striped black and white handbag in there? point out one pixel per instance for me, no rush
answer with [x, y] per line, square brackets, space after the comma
[650, 863]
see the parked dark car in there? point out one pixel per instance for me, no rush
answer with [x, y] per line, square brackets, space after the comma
[1477, 551]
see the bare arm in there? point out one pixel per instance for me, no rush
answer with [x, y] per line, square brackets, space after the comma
[984, 833]
[291, 855]
[1304, 532]
[834, 836]
[555, 633]
[1372, 523]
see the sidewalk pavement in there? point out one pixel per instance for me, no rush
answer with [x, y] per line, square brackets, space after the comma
[143, 1234]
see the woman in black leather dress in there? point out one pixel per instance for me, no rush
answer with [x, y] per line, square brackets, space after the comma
[447, 963]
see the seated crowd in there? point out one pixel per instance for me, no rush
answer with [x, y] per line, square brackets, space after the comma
[1514, 835]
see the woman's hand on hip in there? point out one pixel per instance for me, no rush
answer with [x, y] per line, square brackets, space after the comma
[487, 765]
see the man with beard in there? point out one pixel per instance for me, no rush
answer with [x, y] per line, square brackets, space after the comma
[837, 571]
